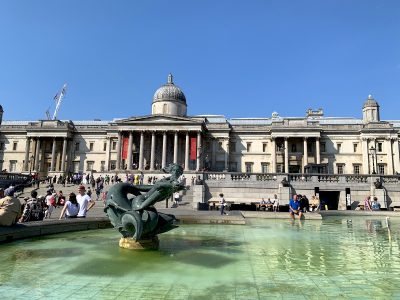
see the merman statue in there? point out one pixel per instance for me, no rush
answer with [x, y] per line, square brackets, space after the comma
[134, 216]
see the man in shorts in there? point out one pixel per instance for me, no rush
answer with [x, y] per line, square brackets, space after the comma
[294, 207]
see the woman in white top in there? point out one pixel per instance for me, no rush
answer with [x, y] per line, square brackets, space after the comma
[71, 207]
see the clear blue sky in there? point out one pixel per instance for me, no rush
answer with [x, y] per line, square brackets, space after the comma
[236, 58]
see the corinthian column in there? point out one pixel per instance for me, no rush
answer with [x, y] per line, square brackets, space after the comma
[176, 147]
[119, 144]
[286, 156]
[164, 150]
[273, 155]
[153, 150]
[187, 151]
[129, 158]
[305, 154]
[26, 162]
[141, 151]
[64, 152]
[53, 156]
[198, 160]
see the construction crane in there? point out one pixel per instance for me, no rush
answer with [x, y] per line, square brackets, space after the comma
[58, 99]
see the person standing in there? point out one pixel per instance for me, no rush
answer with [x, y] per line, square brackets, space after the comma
[176, 198]
[71, 208]
[276, 203]
[222, 203]
[85, 202]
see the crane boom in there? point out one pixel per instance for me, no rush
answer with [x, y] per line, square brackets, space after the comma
[58, 98]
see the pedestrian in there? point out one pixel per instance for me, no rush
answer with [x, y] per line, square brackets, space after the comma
[176, 198]
[222, 203]
[85, 202]
[50, 204]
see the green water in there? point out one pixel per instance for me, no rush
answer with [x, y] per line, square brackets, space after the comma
[335, 258]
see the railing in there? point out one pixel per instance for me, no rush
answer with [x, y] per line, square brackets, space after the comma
[300, 178]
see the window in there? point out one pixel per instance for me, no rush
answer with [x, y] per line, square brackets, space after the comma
[279, 168]
[89, 165]
[220, 147]
[91, 145]
[77, 146]
[113, 164]
[232, 147]
[13, 165]
[294, 148]
[249, 167]
[75, 166]
[248, 147]
[339, 147]
[379, 147]
[279, 147]
[323, 147]
[264, 167]
[340, 168]
[310, 148]
[381, 169]
[15, 146]
[233, 166]
[356, 169]
[114, 145]
[264, 147]
[165, 109]
[105, 147]
[102, 166]
[355, 149]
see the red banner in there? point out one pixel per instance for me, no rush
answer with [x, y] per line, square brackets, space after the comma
[125, 142]
[193, 148]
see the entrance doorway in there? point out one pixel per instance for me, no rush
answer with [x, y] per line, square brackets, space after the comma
[329, 198]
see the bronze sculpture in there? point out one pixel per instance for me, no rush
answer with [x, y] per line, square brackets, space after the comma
[135, 217]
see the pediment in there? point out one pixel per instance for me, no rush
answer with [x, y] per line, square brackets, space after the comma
[158, 119]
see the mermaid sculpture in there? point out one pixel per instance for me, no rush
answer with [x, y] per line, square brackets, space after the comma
[135, 217]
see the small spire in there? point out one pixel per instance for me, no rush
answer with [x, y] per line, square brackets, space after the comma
[370, 96]
[170, 78]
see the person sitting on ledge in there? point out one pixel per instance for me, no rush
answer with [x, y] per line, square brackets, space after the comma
[375, 205]
[10, 208]
[262, 204]
[294, 207]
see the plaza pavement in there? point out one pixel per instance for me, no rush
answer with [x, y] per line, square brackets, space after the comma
[97, 219]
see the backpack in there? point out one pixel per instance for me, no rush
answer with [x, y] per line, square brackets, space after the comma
[52, 201]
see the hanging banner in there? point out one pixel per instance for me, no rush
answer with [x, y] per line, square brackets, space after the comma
[193, 148]
[125, 142]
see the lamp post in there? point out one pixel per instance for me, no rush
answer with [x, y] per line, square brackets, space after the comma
[372, 151]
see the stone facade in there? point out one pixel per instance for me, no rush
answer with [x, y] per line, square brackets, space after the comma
[309, 144]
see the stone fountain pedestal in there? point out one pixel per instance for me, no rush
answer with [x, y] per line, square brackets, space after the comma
[130, 243]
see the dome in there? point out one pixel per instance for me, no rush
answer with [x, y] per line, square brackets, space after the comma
[370, 102]
[169, 92]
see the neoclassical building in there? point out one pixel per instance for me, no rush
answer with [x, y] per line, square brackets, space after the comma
[311, 143]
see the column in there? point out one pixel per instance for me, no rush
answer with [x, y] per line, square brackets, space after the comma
[305, 154]
[53, 156]
[273, 155]
[129, 158]
[389, 157]
[141, 151]
[286, 156]
[364, 146]
[37, 155]
[164, 150]
[198, 160]
[64, 152]
[226, 156]
[176, 147]
[26, 162]
[108, 152]
[317, 150]
[119, 150]
[187, 151]
[153, 150]
[396, 157]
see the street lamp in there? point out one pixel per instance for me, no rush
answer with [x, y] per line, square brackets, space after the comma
[372, 151]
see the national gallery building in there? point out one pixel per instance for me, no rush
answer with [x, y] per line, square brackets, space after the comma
[308, 144]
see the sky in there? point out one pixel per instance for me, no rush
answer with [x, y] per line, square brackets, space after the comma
[240, 59]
